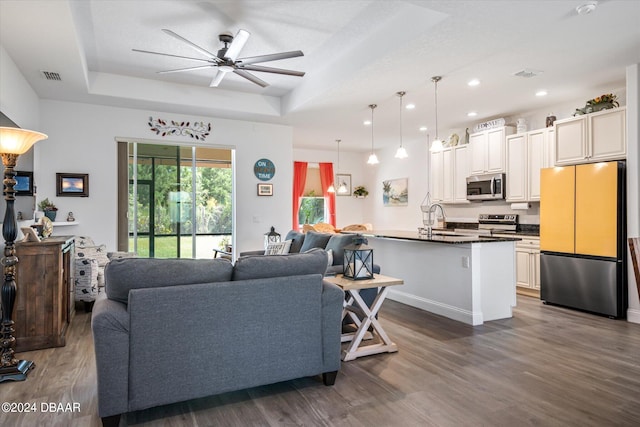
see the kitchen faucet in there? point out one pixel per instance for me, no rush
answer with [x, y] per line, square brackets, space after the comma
[432, 209]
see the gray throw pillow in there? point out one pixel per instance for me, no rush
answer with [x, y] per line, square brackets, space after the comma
[313, 239]
[297, 239]
[336, 243]
[259, 267]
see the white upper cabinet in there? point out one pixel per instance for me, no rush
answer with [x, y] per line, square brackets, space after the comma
[591, 137]
[488, 150]
[449, 171]
[460, 173]
[437, 176]
[526, 155]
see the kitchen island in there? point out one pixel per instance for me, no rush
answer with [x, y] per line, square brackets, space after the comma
[471, 279]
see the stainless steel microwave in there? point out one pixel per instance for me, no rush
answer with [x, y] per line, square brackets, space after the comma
[486, 187]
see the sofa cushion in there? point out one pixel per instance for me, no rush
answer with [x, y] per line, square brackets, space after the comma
[258, 267]
[297, 239]
[315, 240]
[122, 275]
[336, 243]
[278, 248]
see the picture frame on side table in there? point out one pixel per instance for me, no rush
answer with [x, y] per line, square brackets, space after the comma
[265, 189]
[72, 184]
[24, 183]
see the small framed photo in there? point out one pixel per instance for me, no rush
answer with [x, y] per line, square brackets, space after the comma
[265, 189]
[24, 184]
[343, 184]
[72, 184]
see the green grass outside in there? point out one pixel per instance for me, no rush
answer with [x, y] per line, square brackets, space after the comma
[166, 246]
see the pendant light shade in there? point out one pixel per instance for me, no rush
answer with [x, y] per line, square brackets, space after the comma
[373, 159]
[436, 145]
[402, 152]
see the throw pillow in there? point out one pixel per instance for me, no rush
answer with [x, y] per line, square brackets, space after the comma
[278, 248]
[313, 239]
[329, 258]
[297, 239]
[337, 242]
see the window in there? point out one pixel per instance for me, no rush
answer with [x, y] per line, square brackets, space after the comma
[313, 206]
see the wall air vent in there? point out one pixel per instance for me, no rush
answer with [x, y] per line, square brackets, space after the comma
[527, 72]
[51, 75]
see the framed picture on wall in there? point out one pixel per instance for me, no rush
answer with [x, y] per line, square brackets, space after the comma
[72, 184]
[343, 184]
[265, 189]
[24, 183]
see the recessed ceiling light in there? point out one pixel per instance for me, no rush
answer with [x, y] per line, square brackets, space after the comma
[366, 122]
[472, 114]
[541, 93]
[474, 82]
[410, 106]
[423, 128]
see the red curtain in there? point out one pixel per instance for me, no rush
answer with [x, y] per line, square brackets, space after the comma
[299, 180]
[326, 180]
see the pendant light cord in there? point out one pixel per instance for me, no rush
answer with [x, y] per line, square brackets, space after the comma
[436, 79]
[401, 94]
[372, 106]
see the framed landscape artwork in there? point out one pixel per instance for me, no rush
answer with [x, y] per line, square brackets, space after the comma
[395, 192]
[72, 184]
[24, 183]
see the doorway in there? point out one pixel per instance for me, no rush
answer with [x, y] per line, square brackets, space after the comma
[179, 200]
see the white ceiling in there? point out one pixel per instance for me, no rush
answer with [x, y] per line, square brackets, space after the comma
[356, 53]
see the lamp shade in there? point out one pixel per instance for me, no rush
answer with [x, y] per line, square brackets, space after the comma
[358, 260]
[18, 141]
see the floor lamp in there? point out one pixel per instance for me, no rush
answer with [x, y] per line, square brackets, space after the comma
[13, 142]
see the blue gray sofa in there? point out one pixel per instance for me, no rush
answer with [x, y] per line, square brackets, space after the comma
[171, 330]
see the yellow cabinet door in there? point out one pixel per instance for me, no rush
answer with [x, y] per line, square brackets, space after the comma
[596, 209]
[557, 209]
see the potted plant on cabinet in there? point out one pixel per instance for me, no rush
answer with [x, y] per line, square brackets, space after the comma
[50, 210]
[360, 192]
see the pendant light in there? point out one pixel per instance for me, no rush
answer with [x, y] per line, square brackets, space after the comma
[373, 159]
[332, 188]
[402, 152]
[342, 186]
[436, 145]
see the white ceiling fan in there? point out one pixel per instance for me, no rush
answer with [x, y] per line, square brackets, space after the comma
[227, 60]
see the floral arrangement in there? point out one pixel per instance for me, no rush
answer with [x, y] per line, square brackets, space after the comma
[607, 98]
[46, 205]
[360, 191]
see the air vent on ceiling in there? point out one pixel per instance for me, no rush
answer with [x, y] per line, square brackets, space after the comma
[526, 73]
[51, 75]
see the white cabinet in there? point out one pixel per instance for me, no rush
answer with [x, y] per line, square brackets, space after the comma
[449, 171]
[488, 150]
[527, 153]
[591, 137]
[528, 263]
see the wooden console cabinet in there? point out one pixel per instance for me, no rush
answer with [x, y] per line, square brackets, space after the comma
[45, 302]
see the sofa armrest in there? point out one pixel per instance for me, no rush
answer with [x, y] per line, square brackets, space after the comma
[110, 326]
[332, 302]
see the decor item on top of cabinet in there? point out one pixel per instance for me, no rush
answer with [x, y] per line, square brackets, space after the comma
[360, 192]
[50, 210]
[496, 123]
[395, 192]
[72, 184]
[550, 120]
[521, 125]
[196, 130]
[602, 102]
[453, 140]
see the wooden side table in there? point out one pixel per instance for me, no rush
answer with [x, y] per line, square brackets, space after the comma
[365, 316]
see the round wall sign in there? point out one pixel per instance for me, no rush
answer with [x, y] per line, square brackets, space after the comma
[264, 169]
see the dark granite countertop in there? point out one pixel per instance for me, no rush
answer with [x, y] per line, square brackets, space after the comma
[436, 238]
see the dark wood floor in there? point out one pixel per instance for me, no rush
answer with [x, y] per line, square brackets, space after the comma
[547, 366]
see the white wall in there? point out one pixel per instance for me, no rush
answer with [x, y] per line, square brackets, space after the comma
[633, 179]
[82, 140]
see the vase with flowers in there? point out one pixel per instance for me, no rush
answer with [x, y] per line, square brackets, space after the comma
[602, 102]
[50, 210]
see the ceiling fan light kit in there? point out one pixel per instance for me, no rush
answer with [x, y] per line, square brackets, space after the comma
[227, 61]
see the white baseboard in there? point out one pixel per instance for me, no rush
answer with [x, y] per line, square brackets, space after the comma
[455, 313]
[633, 315]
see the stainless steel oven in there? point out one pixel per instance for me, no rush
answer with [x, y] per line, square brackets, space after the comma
[486, 187]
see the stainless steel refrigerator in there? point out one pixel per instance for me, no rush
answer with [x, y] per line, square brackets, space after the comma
[583, 237]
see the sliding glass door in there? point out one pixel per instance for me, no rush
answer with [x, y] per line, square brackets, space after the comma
[179, 200]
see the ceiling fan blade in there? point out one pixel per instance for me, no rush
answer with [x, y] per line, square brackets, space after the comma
[179, 70]
[251, 77]
[193, 45]
[174, 56]
[237, 44]
[271, 70]
[271, 57]
[218, 78]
